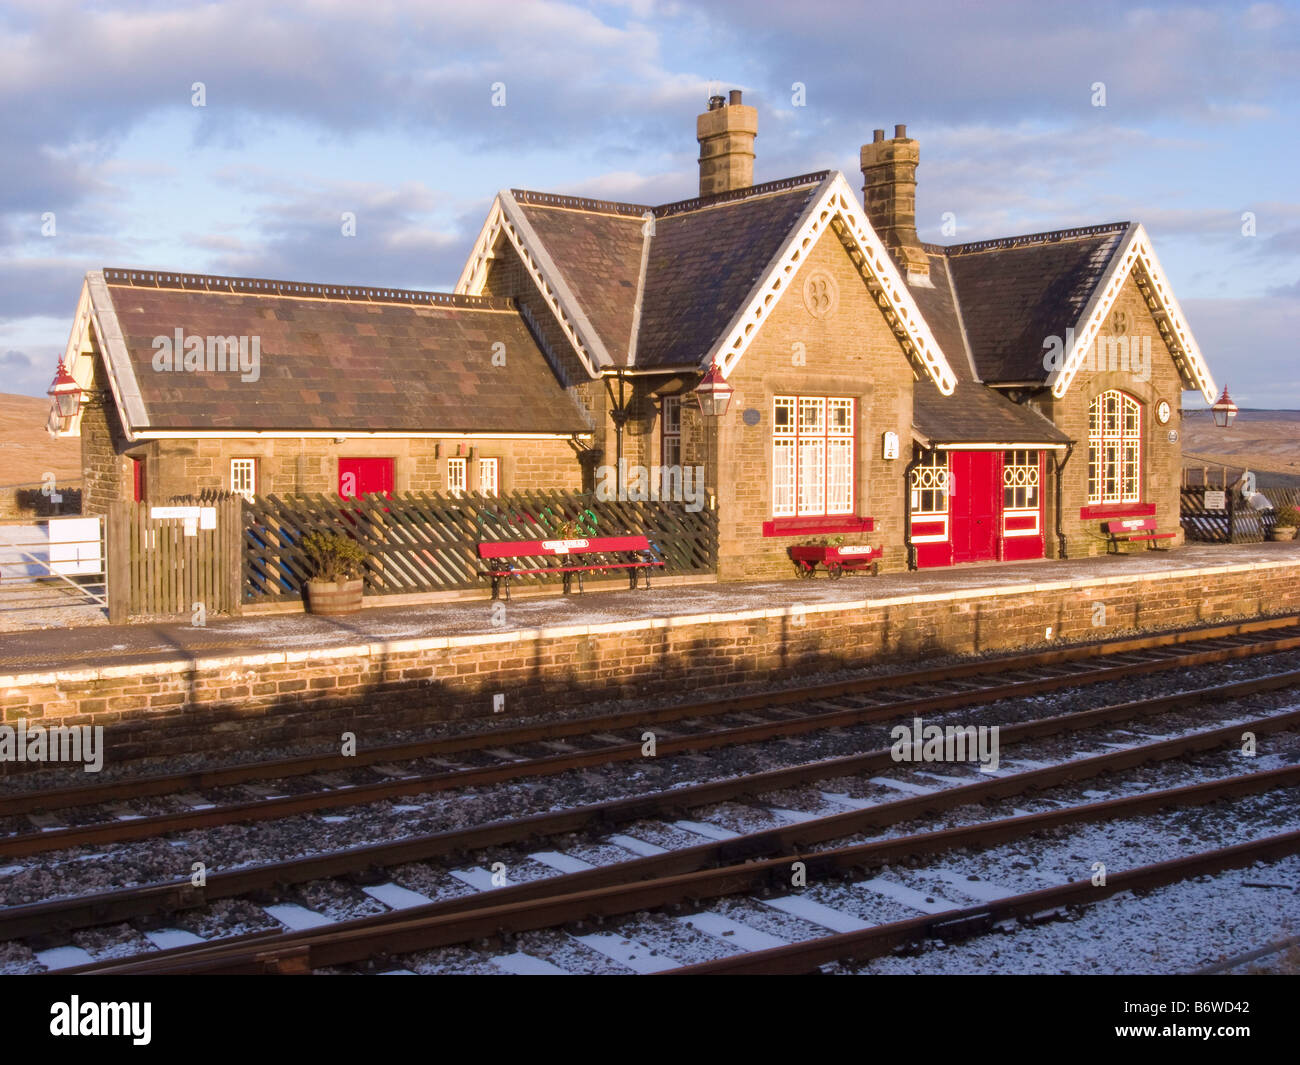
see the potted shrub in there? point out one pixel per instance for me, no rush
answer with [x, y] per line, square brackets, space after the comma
[336, 563]
[1285, 522]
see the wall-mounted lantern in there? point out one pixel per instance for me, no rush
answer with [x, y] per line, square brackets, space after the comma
[67, 395]
[1224, 410]
[713, 394]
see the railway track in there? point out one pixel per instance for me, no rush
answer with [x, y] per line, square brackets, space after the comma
[753, 862]
[177, 895]
[698, 726]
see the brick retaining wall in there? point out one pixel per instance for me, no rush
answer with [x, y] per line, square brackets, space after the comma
[252, 703]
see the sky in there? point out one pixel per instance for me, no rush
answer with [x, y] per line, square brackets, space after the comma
[233, 137]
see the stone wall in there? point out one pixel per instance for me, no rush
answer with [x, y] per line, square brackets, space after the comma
[252, 703]
[1162, 458]
[846, 350]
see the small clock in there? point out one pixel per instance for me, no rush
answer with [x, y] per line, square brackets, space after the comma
[1163, 411]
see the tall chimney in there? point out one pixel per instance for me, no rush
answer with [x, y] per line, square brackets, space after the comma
[889, 196]
[726, 133]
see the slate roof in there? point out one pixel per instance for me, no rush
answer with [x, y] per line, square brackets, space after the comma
[992, 305]
[974, 413]
[704, 258]
[1016, 292]
[349, 360]
[597, 251]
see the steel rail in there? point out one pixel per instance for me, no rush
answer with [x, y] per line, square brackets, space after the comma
[39, 841]
[688, 873]
[809, 955]
[365, 938]
[280, 769]
[122, 904]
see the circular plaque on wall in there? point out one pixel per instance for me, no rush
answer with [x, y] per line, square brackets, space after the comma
[820, 294]
[752, 417]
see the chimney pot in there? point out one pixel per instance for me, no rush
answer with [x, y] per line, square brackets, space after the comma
[889, 196]
[726, 134]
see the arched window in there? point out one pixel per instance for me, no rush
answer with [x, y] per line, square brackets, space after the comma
[1114, 449]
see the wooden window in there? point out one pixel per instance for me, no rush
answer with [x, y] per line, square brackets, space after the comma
[489, 476]
[456, 474]
[1020, 480]
[243, 477]
[670, 433]
[930, 484]
[1114, 449]
[813, 457]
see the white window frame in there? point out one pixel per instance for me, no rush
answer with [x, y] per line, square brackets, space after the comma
[670, 431]
[817, 478]
[457, 475]
[248, 466]
[1114, 449]
[489, 476]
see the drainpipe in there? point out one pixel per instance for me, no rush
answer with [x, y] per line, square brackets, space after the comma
[619, 415]
[1060, 501]
[907, 508]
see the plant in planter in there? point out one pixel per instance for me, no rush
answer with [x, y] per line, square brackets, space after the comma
[336, 563]
[1285, 522]
[831, 553]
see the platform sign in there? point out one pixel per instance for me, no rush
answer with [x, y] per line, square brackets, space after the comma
[1216, 500]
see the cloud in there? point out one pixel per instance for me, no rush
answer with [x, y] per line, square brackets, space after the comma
[1250, 345]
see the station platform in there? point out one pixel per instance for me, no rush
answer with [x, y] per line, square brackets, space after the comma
[230, 639]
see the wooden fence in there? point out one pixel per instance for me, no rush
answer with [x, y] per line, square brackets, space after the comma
[162, 566]
[1237, 522]
[426, 541]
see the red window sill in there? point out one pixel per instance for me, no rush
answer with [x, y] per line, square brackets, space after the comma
[809, 526]
[1118, 510]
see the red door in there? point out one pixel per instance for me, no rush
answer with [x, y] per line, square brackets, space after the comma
[975, 505]
[360, 477]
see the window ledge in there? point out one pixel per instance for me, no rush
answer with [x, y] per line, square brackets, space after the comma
[1117, 510]
[815, 526]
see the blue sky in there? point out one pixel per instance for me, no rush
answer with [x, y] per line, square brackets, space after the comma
[385, 109]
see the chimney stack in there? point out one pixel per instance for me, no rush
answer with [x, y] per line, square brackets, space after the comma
[889, 196]
[726, 133]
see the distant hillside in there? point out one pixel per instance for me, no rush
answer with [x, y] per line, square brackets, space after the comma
[1266, 441]
[26, 451]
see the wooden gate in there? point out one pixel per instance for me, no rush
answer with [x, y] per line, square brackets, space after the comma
[172, 560]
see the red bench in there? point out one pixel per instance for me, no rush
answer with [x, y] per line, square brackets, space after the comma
[1134, 529]
[638, 557]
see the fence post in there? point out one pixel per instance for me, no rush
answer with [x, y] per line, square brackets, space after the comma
[231, 562]
[117, 561]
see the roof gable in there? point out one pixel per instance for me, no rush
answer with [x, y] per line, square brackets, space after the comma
[711, 271]
[1016, 293]
[1136, 258]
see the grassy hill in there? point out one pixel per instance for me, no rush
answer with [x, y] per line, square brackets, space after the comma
[1266, 441]
[27, 452]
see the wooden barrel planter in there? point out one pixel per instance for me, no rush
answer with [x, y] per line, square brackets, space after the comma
[334, 598]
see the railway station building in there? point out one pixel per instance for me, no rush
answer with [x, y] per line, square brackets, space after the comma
[828, 373]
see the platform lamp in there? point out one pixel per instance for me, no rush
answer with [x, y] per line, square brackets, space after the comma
[713, 394]
[1224, 410]
[67, 395]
